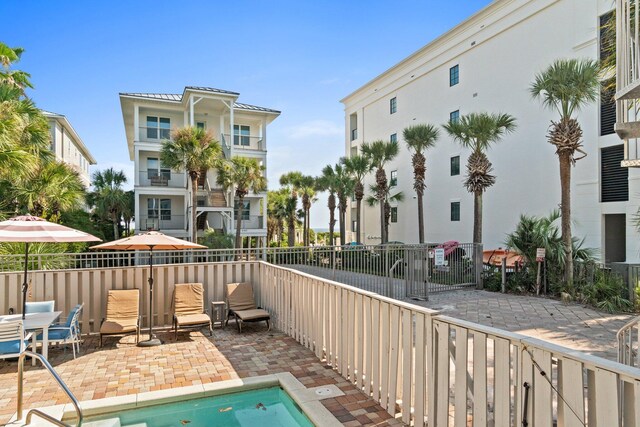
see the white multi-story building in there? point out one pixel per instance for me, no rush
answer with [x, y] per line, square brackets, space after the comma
[68, 147]
[162, 195]
[487, 63]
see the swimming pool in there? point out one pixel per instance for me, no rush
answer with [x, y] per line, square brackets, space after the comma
[262, 407]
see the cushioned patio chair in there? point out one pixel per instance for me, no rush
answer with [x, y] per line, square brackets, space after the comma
[123, 313]
[242, 305]
[39, 307]
[67, 332]
[13, 339]
[188, 307]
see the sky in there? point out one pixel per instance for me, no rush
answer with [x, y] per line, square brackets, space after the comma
[300, 57]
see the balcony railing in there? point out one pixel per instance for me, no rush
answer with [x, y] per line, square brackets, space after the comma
[153, 134]
[252, 222]
[150, 178]
[244, 142]
[161, 222]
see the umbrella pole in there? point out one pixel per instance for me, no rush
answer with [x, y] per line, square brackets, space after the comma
[25, 284]
[152, 341]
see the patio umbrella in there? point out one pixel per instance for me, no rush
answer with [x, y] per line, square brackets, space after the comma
[148, 242]
[32, 229]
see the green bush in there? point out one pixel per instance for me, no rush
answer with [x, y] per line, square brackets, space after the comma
[608, 292]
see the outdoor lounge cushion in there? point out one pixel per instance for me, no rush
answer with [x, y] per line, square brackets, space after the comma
[11, 347]
[255, 314]
[193, 319]
[240, 297]
[122, 311]
[39, 307]
[188, 299]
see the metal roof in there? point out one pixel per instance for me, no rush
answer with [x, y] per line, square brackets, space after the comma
[174, 97]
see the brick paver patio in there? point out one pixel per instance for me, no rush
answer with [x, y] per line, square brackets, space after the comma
[121, 368]
[571, 325]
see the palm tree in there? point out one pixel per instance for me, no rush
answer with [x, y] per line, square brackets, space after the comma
[477, 131]
[358, 167]
[291, 181]
[566, 86]
[420, 138]
[195, 151]
[388, 199]
[14, 78]
[328, 182]
[245, 175]
[128, 213]
[379, 154]
[308, 187]
[108, 197]
[277, 213]
[344, 188]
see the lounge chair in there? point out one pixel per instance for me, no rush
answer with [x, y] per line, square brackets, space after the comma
[242, 305]
[67, 332]
[13, 339]
[188, 307]
[39, 307]
[123, 313]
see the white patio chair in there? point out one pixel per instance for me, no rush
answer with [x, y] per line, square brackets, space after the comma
[68, 332]
[13, 340]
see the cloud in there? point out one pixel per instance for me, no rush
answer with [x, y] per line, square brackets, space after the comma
[314, 129]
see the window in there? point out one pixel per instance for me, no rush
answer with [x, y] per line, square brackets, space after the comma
[454, 75]
[354, 134]
[455, 165]
[241, 135]
[154, 169]
[393, 105]
[354, 225]
[394, 214]
[614, 179]
[201, 125]
[455, 211]
[158, 127]
[159, 208]
[454, 116]
[394, 179]
[393, 137]
[246, 210]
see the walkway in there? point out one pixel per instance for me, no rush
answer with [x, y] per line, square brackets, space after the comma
[571, 325]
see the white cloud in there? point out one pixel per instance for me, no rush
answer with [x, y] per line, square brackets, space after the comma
[314, 129]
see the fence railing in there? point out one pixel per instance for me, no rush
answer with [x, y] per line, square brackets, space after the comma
[418, 365]
[150, 178]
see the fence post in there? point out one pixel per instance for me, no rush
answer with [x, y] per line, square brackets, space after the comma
[479, 263]
[333, 263]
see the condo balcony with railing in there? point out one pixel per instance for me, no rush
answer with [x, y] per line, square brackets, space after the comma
[161, 222]
[161, 178]
[243, 142]
[250, 222]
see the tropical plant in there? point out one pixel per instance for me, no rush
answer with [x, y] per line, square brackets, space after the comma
[108, 198]
[388, 198]
[214, 240]
[13, 78]
[128, 213]
[379, 153]
[477, 131]
[279, 207]
[291, 181]
[358, 167]
[420, 138]
[344, 188]
[328, 182]
[565, 87]
[308, 187]
[194, 151]
[245, 175]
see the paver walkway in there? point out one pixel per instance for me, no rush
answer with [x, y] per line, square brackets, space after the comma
[121, 368]
[570, 325]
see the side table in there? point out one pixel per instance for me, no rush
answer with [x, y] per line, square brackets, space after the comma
[218, 313]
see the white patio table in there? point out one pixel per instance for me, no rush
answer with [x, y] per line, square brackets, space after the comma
[34, 322]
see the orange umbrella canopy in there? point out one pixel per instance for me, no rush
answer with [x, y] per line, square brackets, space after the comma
[151, 240]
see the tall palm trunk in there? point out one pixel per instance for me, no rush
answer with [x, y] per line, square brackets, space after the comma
[114, 220]
[194, 201]
[306, 207]
[280, 231]
[419, 161]
[331, 203]
[387, 220]
[381, 183]
[342, 210]
[359, 193]
[565, 209]
[477, 217]
[239, 223]
[291, 230]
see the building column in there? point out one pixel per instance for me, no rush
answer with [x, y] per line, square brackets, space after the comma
[231, 124]
[136, 164]
[191, 123]
[136, 211]
[136, 122]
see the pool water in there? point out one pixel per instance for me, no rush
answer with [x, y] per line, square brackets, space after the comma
[263, 407]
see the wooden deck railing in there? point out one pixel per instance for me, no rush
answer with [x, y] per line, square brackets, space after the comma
[417, 364]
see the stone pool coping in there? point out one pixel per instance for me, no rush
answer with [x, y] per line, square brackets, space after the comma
[308, 399]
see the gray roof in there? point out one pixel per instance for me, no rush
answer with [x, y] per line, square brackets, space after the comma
[174, 97]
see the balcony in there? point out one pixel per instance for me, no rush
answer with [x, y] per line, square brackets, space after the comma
[251, 222]
[153, 134]
[244, 142]
[155, 178]
[161, 222]
[628, 80]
